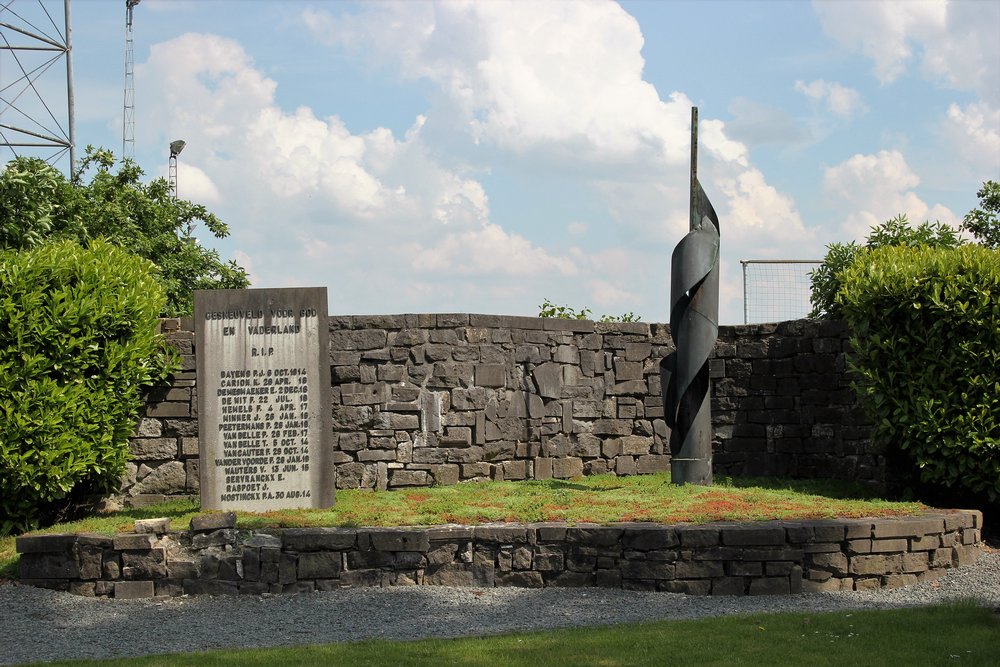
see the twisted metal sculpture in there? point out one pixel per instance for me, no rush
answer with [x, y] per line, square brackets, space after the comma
[694, 326]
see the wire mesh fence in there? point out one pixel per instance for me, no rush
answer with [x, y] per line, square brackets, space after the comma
[775, 290]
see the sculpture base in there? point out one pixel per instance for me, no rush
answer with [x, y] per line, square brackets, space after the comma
[691, 471]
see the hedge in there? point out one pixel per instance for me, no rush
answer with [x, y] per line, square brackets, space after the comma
[78, 340]
[926, 342]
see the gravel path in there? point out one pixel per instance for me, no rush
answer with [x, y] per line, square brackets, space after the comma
[45, 625]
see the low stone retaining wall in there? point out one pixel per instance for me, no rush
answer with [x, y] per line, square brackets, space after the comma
[776, 557]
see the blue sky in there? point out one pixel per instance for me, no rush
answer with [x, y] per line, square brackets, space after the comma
[483, 156]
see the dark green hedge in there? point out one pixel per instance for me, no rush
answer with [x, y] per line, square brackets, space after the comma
[77, 342]
[926, 336]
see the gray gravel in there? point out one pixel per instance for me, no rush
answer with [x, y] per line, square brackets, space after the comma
[41, 625]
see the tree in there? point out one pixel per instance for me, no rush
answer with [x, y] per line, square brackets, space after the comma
[826, 280]
[983, 223]
[38, 204]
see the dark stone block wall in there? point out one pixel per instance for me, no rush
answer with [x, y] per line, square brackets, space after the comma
[765, 558]
[436, 399]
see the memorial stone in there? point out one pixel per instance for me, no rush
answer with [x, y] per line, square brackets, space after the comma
[263, 399]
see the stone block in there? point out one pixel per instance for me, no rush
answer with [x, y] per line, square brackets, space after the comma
[770, 586]
[217, 538]
[169, 409]
[889, 546]
[460, 574]
[643, 569]
[519, 579]
[182, 569]
[906, 527]
[874, 564]
[548, 379]
[48, 566]
[494, 534]
[402, 478]
[698, 536]
[698, 569]
[566, 468]
[132, 590]
[899, 580]
[649, 537]
[445, 474]
[150, 564]
[652, 463]
[133, 541]
[625, 465]
[491, 375]
[915, 562]
[744, 568]
[753, 536]
[612, 427]
[835, 561]
[153, 448]
[29, 544]
[635, 445]
[213, 521]
[729, 586]
[319, 565]
[167, 478]
[202, 587]
[90, 560]
[392, 539]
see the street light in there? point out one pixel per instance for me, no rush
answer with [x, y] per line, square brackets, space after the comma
[175, 149]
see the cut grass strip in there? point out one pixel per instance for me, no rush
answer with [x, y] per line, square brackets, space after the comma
[596, 499]
[949, 634]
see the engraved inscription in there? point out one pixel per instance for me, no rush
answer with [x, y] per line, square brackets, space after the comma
[261, 418]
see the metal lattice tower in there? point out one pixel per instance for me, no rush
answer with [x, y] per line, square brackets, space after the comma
[32, 41]
[128, 113]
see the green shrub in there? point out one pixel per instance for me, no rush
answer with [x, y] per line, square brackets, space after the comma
[77, 342]
[926, 337]
[826, 280]
[549, 309]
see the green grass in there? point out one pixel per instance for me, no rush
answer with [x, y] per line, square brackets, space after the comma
[961, 634]
[597, 499]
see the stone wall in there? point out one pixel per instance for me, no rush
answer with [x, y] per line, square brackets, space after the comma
[436, 399]
[776, 557]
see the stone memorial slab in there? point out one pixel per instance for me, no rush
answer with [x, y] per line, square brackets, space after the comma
[263, 399]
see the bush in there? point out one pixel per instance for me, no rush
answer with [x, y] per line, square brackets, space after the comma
[549, 309]
[926, 338]
[77, 342]
[825, 281]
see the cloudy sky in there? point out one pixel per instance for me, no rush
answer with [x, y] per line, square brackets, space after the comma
[483, 156]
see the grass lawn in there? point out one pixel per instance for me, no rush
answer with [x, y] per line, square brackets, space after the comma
[958, 634]
[598, 499]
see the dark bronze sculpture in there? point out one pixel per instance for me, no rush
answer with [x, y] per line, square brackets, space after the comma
[694, 326]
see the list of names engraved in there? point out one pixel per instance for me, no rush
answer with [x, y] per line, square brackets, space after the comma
[262, 431]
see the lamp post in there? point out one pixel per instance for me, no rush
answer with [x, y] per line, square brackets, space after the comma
[175, 149]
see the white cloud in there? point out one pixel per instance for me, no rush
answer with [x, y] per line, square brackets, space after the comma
[558, 86]
[840, 100]
[195, 185]
[488, 250]
[975, 131]
[870, 189]
[558, 76]
[955, 42]
[304, 191]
